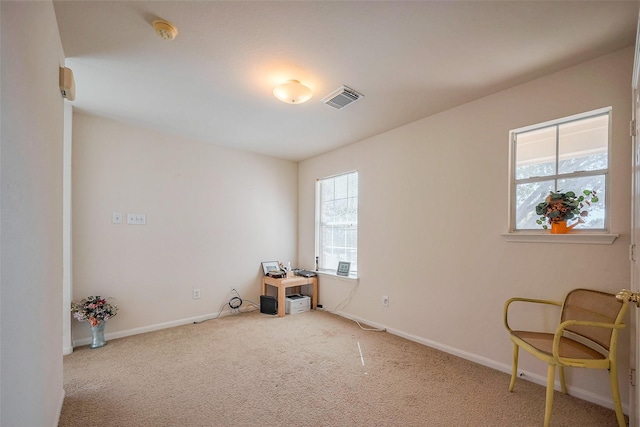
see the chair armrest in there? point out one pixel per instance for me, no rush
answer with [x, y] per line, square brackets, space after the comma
[530, 300]
[562, 326]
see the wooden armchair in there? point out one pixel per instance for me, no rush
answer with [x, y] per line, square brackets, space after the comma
[586, 337]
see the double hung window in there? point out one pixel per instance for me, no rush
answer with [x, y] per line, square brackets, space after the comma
[569, 154]
[337, 222]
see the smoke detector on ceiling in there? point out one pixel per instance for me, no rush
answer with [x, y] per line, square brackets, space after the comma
[342, 97]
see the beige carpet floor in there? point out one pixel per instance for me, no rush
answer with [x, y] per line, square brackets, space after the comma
[308, 369]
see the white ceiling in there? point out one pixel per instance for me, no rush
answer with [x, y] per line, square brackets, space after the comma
[413, 59]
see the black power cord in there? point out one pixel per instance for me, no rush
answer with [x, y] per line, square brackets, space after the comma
[234, 304]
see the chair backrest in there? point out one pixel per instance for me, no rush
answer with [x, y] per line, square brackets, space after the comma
[592, 306]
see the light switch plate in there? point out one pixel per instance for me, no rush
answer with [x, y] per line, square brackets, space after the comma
[117, 218]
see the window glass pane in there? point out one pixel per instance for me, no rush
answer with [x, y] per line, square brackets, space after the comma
[353, 185]
[327, 236]
[327, 257]
[339, 237]
[352, 238]
[340, 213]
[352, 210]
[536, 153]
[596, 217]
[527, 197]
[583, 145]
[327, 189]
[341, 186]
[352, 257]
[325, 212]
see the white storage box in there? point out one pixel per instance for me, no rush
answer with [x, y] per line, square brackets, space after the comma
[297, 304]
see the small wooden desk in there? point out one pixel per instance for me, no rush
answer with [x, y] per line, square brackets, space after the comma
[288, 282]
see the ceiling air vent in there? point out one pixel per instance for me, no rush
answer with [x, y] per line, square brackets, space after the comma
[342, 97]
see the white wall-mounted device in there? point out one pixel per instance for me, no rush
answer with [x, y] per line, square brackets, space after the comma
[67, 84]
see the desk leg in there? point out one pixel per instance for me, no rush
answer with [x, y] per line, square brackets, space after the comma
[281, 300]
[264, 288]
[314, 301]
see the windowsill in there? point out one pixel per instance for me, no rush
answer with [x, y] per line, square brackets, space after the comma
[546, 237]
[349, 278]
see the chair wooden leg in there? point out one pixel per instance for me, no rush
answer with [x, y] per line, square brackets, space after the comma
[514, 367]
[562, 383]
[551, 376]
[615, 391]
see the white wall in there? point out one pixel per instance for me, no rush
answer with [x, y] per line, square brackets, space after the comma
[213, 215]
[31, 216]
[433, 204]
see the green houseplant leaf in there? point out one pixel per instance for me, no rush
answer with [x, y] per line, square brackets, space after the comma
[561, 206]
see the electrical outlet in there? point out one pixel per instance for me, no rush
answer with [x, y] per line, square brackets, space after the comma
[196, 294]
[385, 300]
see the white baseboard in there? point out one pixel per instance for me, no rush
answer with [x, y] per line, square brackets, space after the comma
[580, 393]
[150, 328]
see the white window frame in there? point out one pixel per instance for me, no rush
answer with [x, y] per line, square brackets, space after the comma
[353, 273]
[606, 172]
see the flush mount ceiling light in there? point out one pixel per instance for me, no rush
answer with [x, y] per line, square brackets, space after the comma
[292, 92]
[165, 29]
